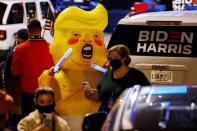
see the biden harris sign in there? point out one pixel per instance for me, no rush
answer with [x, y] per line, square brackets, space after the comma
[158, 40]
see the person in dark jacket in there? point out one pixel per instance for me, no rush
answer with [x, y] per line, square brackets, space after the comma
[12, 83]
[116, 79]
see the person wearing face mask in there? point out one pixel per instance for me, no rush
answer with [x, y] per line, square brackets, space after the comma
[119, 77]
[44, 117]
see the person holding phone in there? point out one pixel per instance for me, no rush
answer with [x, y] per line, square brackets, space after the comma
[44, 117]
[119, 77]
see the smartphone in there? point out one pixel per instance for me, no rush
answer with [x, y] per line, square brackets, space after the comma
[86, 84]
[48, 119]
[99, 68]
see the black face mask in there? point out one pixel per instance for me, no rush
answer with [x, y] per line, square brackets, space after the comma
[115, 64]
[45, 109]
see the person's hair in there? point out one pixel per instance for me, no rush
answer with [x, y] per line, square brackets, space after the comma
[43, 91]
[22, 33]
[34, 25]
[123, 51]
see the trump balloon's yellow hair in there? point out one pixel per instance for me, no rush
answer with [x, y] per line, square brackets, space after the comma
[74, 17]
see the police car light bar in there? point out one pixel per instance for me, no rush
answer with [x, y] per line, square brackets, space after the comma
[164, 90]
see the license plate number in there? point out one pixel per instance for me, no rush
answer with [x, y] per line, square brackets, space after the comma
[161, 76]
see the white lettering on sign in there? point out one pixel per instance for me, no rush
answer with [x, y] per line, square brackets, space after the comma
[182, 1]
[160, 67]
[189, 37]
[180, 4]
[165, 42]
[146, 35]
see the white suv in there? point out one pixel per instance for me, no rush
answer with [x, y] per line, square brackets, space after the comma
[162, 44]
[14, 15]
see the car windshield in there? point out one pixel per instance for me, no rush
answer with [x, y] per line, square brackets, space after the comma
[2, 11]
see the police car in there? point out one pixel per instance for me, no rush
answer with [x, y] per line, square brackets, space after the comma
[154, 108]
[162, 44]
[14, 15]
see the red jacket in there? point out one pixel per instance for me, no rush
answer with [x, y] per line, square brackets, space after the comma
[30, 59]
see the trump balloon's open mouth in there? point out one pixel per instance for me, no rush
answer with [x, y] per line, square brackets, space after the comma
[87, 51]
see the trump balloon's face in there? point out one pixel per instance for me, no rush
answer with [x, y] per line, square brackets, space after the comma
[83, 32]
[88, 48]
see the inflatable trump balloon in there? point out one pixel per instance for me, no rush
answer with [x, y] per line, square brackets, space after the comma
[78, 43]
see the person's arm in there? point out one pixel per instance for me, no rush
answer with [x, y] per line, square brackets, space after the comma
[15, 67]
[91, 93]
[24, 125]
[42, 128]
[8, 71]
[61, 124]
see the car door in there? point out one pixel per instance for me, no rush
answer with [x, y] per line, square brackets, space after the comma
[14, 22]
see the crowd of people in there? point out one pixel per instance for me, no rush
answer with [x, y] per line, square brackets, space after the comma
[30, 58]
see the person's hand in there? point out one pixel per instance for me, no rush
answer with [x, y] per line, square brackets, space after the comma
[47, 24]
[51, 71]
[43, 128]
[91, 93]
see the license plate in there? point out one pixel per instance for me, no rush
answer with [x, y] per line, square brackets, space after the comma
[161, 76]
